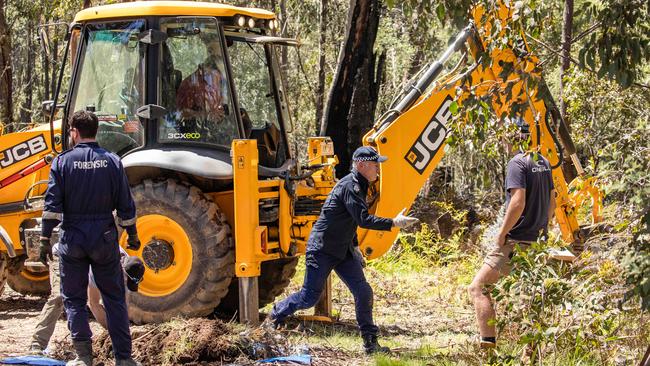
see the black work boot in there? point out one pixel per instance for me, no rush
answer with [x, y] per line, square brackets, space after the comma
[371, 345]
[84, 350]
[127, 362]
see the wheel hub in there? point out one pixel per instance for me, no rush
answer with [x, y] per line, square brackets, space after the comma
[158, 254]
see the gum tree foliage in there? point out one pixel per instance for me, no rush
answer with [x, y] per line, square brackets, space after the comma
[33, 74]
[611, 128]
[637, 263]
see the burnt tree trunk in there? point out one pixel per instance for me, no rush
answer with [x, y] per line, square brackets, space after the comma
[28, 78]
[320, 88]
[352, 99]
[567, 33]
[6, 70]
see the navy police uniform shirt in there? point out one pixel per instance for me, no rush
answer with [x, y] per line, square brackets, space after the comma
[87, 183]
[534, 175]
[344, 210]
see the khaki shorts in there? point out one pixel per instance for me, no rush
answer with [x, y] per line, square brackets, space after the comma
[500, 256]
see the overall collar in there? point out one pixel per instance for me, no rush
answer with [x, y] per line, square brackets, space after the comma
[87, 143]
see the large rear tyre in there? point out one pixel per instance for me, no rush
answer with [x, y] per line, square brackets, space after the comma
[274, 278]
[187, 251]
[25, 281]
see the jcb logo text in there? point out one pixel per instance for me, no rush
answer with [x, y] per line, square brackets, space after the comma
[22, 151]
[430, 140]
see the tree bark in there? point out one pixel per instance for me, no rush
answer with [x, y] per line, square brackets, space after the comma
[567, 34]
[28, 77]
[569, 170]
[86, 4]
[320, 88]
[353, 97]
[6, 70]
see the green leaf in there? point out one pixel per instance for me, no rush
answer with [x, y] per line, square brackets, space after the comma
[440, 12]
[453, 108]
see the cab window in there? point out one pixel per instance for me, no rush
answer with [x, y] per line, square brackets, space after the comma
[250, 64]
[110, 82]
[194, 85]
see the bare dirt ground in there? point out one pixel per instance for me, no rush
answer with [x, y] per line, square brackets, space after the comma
[18, 316]
[411, 312]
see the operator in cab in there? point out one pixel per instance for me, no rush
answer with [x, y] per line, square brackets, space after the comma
[86, 184]
[203, 94]
[333, 246]
[530, 202]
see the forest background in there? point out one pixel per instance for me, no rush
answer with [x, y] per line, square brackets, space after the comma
[595, 57]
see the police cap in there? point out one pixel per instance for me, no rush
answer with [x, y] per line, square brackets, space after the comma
[367, 153]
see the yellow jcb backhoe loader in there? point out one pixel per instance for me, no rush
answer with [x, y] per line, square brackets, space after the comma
[220, 196]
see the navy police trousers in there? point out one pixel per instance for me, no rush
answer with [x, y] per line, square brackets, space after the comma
[103, 256]
[319, 265]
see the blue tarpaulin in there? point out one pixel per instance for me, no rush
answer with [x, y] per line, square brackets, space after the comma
[299, 359]
[32, 360]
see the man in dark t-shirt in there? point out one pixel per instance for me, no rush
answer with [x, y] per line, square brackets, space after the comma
[530, 202]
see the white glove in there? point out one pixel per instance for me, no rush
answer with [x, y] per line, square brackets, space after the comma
[402, 221]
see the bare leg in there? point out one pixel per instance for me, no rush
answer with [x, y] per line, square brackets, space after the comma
[96, 307]
[482, 302]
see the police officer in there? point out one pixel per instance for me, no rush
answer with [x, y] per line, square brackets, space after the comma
[333, 245]
[530, 202]
[86, 184]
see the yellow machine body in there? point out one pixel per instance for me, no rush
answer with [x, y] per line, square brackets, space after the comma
[19, 151]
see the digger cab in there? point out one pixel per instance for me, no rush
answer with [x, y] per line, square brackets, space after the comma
[173, 83]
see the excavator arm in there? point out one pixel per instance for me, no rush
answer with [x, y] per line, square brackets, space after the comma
[414, 131]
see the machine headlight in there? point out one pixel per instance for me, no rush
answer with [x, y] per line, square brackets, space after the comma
[251, 23]
[241, 21]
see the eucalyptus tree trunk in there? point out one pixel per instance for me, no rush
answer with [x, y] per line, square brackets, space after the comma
[320, 88]
[6, 70]
[28, 78]
[352, 99]
[567, 34]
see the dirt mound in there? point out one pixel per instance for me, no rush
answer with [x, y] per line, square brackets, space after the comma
[187, 342]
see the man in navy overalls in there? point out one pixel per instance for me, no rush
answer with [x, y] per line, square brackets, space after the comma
[333, 245]
[87, 183]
